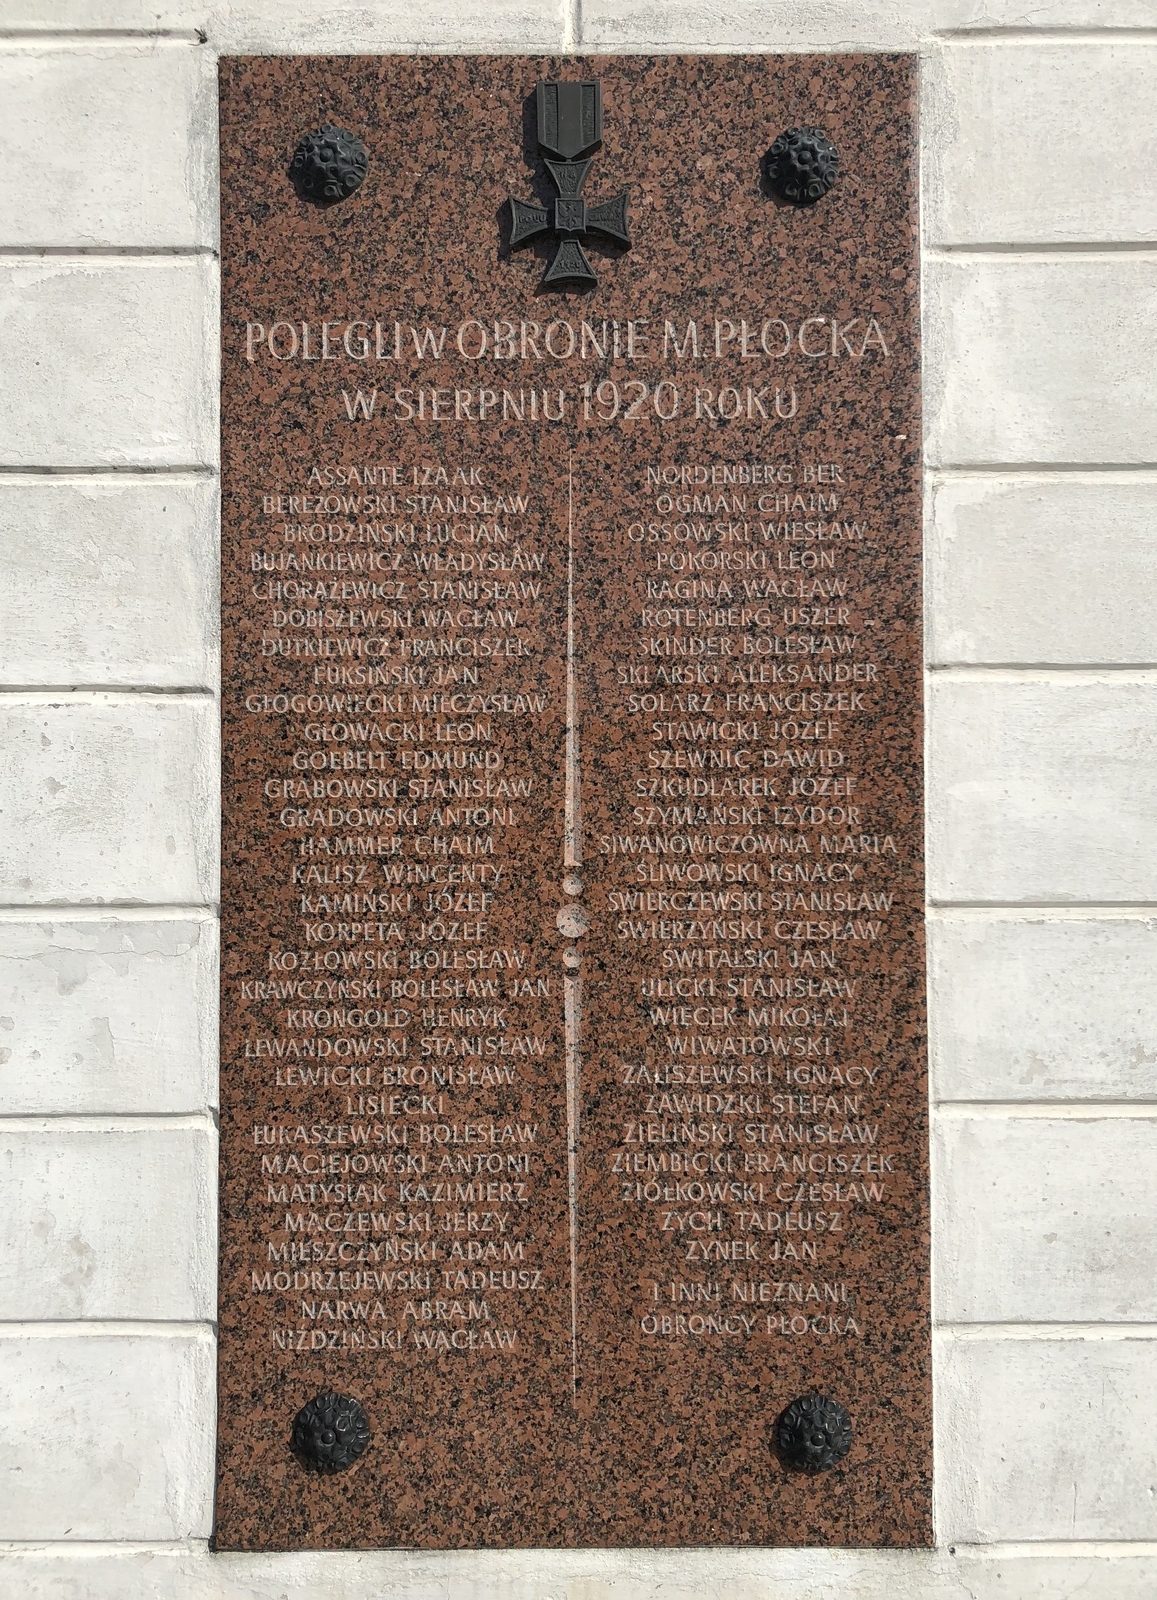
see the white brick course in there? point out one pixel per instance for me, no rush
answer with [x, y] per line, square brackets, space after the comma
[1040, 360]
[110, 581]
[107, 1016]
[107, 1437]
[141, 16]
[503, 26]
[112, 798]
[1042, 570]
[123, 142]
[107, 362]
[579, 1575]
[1041, 789]
[1009, 131]
[1046, 1439]
[1039, 1008]
[114, 1223]
[828, 24]
[269, 26]
[1043, 1220]
[357, 26]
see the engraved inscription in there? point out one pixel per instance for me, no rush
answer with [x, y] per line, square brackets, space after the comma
[404, 600]
[750, 865]
[573, 1103]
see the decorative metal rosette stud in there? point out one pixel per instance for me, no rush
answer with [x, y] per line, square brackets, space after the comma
[328, 165]
[330, 1433]
[802, 165]
[813, 1433]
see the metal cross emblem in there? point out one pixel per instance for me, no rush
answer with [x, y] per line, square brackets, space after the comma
[570, 123]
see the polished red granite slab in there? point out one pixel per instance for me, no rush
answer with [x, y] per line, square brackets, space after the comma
[573, 1084]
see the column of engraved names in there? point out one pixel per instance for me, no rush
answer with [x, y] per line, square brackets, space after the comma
[750, 882]
[395, 624]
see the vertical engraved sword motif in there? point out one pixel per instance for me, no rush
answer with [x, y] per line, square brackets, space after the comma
[572, 981]
[572, 827]
[573, 1005]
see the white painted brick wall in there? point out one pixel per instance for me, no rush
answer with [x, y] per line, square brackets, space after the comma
[1045, 1438]
[151, 1574]
[125, 1215]
[107, 362]
[109, 171]
[741, 25]
[1041, 788]
[108, 798]
[123, 1424]
[1042, 570]
[1045, 1219]
[1043, 358]
[1029, 115]
[270, 26]
[108, 1015]
[1040, 199]
[127, 17]
[1037, 1007]
[81, 605]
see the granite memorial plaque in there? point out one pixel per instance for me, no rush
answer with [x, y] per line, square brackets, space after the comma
[573, 1093]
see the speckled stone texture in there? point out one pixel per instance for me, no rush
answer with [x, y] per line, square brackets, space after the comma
[620, 1430]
